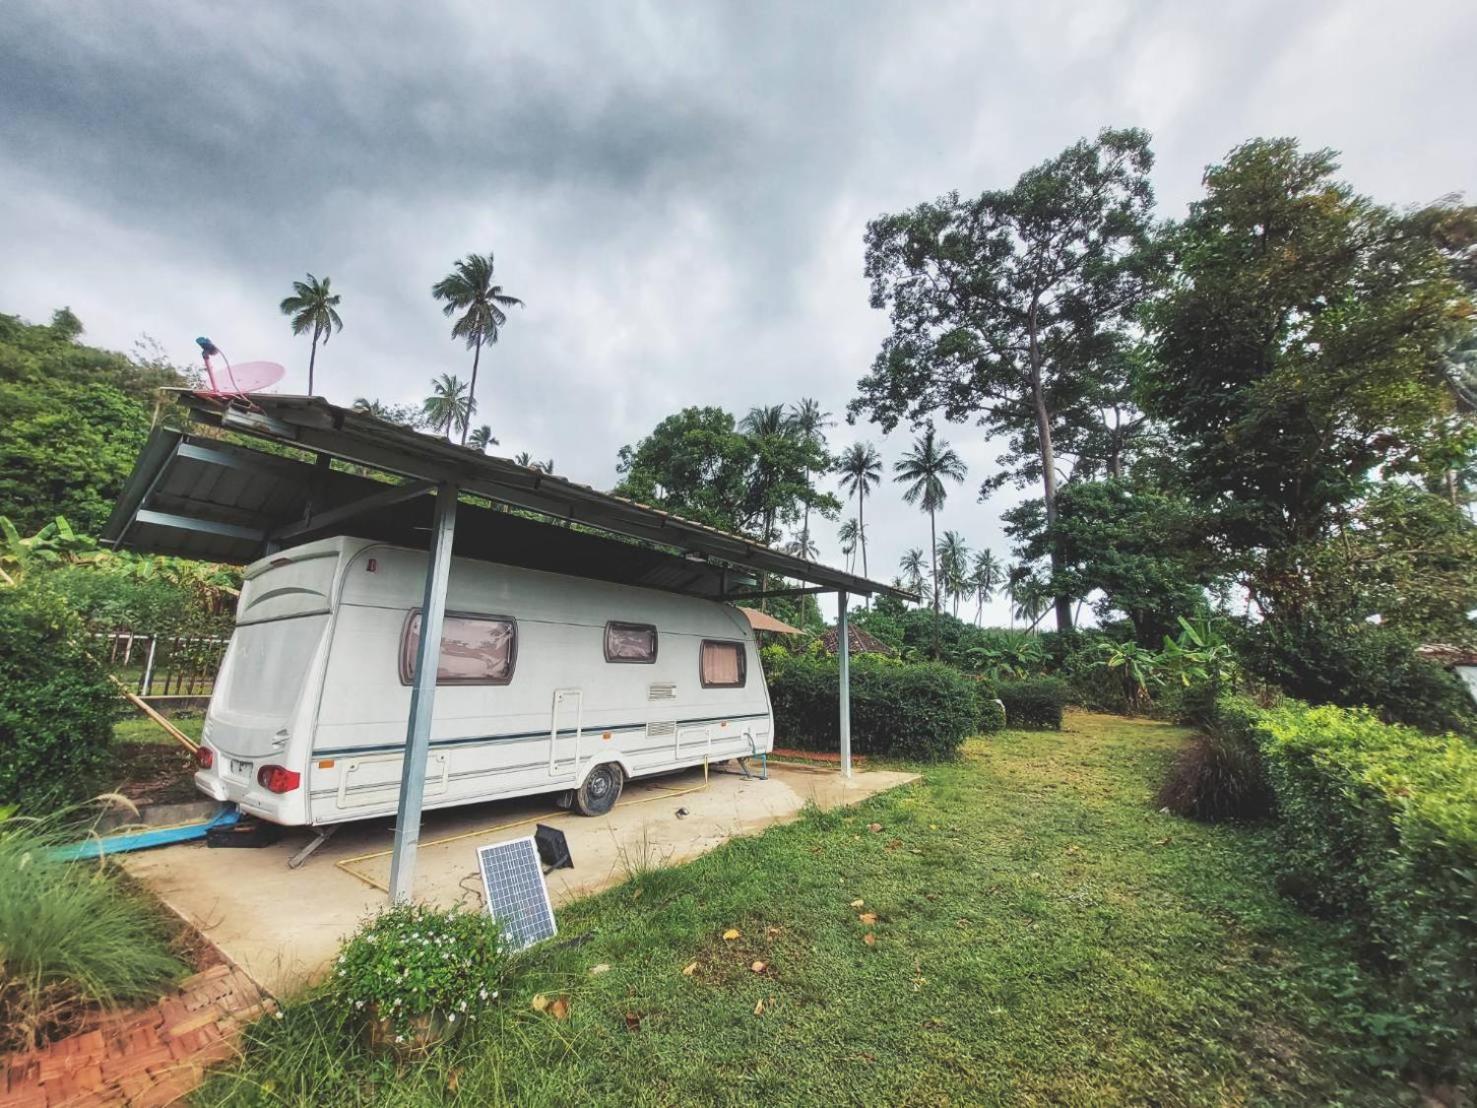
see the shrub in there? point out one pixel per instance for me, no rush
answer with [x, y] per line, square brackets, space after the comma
[1035, 703]
[991, 714]
[898, 710]
[1218, 777]
[1378, 825]
[72, 935]
[1359, 665]
[56, 704]
[418, 972]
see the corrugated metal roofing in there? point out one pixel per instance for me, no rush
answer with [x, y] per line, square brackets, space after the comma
[200, 497]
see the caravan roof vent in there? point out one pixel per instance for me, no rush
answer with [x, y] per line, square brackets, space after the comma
[661, 690]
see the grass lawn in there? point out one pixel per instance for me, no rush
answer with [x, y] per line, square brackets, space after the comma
[1042, 935]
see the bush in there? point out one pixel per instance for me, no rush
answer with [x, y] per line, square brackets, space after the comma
[1035, 703]
[991, 714]
[1218, 777]
[72, 935]
[56, 704]
[419, 971]
[1378, 825]
[897, 709]
[1359, 665]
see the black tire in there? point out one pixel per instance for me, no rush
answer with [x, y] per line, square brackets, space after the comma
[602, 788]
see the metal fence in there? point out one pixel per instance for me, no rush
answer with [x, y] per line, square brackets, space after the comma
[163, 665]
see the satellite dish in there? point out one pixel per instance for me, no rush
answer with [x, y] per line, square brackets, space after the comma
[237, 380]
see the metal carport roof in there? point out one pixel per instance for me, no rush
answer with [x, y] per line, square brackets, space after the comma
[199, 496]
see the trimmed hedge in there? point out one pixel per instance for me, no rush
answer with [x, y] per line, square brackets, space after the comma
[1378, 825]
[1033, 704]
[919, 712]
[56, 704]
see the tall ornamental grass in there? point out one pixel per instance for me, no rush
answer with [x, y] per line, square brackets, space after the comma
[73, 935]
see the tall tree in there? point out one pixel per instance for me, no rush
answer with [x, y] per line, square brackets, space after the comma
[954, 565]
[524, 458]
[923, 471]
[469, 289]
[768, 427]
[860, 467]
[810, 422]
[914, 569]
[448, 407]
[1303, 342]
[481, 439]
[985, 579]
[848, 534]
[313, 308]
[1014, 308]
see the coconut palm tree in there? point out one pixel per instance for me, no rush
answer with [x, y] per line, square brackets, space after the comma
[914, 570]
[985, 579]
[861, 470]
[468, 289]
[313, 307]
[922, 471]
[524, 458]
[764, 424]
[954, 565]
[365, 406]
[810, 422]
[449, 406]
[848, 535]
[802, 547]
[481, 439]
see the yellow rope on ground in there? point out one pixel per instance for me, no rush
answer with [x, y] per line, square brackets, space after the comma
[347, 864]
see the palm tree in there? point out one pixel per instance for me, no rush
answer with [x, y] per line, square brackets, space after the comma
[985, 580]
[365, 406]
[468, 289]
[313, 307]
[762, 425]
[861, 470]
[954, 565]
[802, 547]
[810, 422]
[913, 569]
[481, 439]
[848, 534]
[527, 460]
[923, 470]
[448, 406]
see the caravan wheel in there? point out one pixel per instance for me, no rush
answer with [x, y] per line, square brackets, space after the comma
[600, 791]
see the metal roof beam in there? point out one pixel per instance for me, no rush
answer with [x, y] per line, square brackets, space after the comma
[396, 494]
[195, 523]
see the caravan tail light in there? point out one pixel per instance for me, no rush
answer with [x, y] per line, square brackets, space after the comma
[278, 779]
[204, 757]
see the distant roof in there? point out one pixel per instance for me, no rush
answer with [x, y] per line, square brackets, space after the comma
[1446, 654]
[763, 621]
[857, 641]
[196, 496]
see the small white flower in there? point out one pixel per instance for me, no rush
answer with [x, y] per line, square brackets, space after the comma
[451, 1017]
[399, 1038]
[482, 993]
[278, 1013]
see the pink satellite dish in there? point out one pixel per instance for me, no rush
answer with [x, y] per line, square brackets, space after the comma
[237, 380]
[246, 377]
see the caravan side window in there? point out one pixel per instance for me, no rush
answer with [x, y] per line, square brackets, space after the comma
[722, 665]
[475, 650]
[630, 642]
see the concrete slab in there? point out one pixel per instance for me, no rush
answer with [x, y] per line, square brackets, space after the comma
[283, 926]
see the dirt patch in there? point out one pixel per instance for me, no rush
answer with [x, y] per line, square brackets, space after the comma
[155, 773]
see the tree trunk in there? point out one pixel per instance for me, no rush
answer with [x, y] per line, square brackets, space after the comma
[472, 391]
[1048, 471]
[312, 358]
[933, 561]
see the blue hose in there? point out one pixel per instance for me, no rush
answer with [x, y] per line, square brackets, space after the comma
[144, 839]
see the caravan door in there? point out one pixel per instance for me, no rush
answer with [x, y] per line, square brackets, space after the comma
[565, 725]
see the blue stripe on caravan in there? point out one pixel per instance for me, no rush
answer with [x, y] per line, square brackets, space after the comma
[512, 735]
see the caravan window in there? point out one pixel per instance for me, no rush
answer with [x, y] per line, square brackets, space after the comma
[475, 650]
[722, 664]
[630, 642]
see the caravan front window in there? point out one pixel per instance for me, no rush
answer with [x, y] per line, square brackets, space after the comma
[475, 650]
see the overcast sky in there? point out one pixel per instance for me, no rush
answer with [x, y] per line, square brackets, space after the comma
[678, 191]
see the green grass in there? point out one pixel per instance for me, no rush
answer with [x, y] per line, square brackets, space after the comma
[141, 729]
[1044, 935]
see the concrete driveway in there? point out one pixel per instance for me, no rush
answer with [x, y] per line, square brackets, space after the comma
[284, 926]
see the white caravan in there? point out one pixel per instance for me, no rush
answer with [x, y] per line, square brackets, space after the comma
[547, 683]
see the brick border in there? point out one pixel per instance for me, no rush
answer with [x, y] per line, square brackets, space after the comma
[144, 1058]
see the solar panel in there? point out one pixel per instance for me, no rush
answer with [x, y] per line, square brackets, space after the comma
[517, 897]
